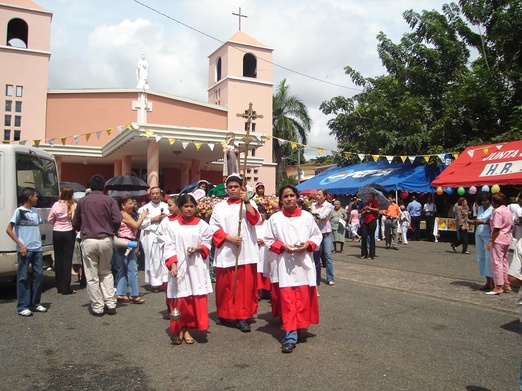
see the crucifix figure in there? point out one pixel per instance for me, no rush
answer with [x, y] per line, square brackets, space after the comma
[249, 115]
[239, 15]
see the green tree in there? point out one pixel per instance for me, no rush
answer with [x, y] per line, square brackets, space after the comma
[290, 121]
[434, 98]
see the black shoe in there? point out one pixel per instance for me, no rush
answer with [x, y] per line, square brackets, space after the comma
[97, 314]
[288, 348]
[243, 326]
[251, 320]
[109, 311]
[453, 247]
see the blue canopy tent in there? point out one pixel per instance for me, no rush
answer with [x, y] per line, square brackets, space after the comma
[393, 177]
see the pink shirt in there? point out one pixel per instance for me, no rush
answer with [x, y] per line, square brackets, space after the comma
[502, 219]
[59, 218]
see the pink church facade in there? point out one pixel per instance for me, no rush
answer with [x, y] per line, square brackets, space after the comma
[167, 140]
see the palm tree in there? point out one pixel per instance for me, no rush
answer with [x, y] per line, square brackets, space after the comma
[290, 121]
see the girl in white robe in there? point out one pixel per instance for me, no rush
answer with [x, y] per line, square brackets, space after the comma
[293, 234]
[187, 245]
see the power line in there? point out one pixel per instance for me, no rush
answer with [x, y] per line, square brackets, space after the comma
[223, 42]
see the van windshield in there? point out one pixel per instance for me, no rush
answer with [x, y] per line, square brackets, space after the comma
[40, 173]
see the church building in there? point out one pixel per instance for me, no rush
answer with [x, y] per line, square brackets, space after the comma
[166, 140]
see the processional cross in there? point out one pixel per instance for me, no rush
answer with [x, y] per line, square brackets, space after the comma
[250, 116]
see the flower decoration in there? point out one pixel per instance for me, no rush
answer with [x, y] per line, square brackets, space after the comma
[271, 203]
[205, 206]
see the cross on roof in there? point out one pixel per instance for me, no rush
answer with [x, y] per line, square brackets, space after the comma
[239, 15]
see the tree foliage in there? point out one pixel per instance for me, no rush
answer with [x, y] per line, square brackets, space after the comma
[290, 121]
[455, 80]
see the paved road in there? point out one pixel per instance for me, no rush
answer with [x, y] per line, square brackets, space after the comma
[411, 319]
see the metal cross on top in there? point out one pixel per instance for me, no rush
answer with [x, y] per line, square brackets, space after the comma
[239, 16]
[250, 116]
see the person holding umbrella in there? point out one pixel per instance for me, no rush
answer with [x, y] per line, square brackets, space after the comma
[369, 212]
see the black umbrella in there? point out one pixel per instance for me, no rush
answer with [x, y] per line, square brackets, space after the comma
[364, 191]
[131, 193]
[126, 183]
[75, 186]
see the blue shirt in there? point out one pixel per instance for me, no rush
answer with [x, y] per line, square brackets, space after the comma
[484, 229]
[27, 228]
[414, 208]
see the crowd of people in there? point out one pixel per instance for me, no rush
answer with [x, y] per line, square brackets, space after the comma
[252, 257]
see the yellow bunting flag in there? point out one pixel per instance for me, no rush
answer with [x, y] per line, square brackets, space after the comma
[109, 132]
[87, 136]
[198, 145]
[37, 143]
[64, 139]
[485, 150]
[293, 145]
[149, 133]
[375, 157]
[128, 126]
[347, 155]
[268, 138]
[403, 158]
[320, 151]
[427, 158]
[172, 141]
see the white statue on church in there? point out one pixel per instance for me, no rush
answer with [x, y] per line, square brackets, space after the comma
[142, 73]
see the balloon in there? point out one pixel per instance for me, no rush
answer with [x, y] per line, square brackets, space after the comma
[485, 189]
[404, 194]
[472, 190]
[448, 190]
[440, 190]
[495, 189]
[461, 191]
[421, 194]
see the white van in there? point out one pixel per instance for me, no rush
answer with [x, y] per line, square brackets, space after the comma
[20, 167]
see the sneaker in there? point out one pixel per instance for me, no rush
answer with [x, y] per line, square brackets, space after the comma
[109, 311]
[25, 312]
[40, 308]
[49, 269]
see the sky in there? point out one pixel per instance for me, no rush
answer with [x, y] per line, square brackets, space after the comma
[97, 44]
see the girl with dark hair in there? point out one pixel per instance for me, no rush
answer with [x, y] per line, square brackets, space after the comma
[64, 237]
[127, 275]
[482, 236]
[293, 235]
[187, 245]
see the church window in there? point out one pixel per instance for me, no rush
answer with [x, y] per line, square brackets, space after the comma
[17, 135]
[7, 134]
[17, 33]
[249, 65]
[18, 106]
[7, 120]
[218, 69]
[8, 90]
[18, 121]
[19, 91]
[8, 105]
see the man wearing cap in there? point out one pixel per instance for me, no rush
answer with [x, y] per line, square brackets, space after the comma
[260, 189]
[240, 305]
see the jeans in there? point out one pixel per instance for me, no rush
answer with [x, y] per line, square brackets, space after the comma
[368, 233]
[127, 272]
[290, 337]
[29, 296]
[325, 253]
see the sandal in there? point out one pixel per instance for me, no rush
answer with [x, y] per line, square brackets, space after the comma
[137, 300]
[122, 299]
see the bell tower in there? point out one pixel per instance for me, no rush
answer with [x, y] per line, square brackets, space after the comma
[240, 72]
[25, 35]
